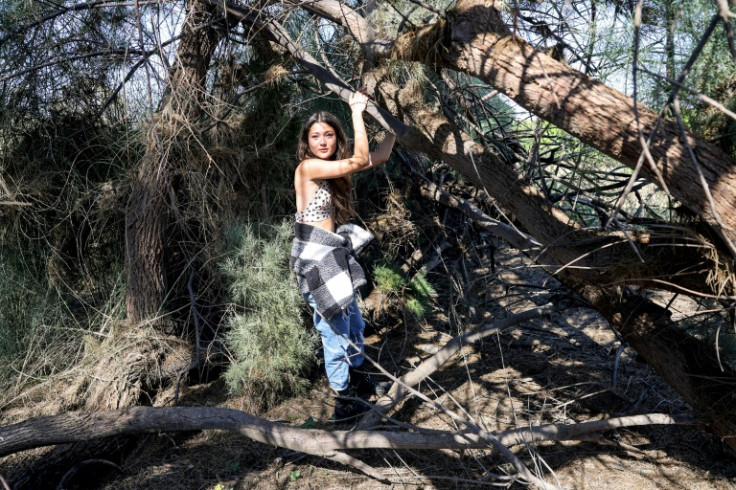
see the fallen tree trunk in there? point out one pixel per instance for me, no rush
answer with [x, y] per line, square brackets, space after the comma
[80, 427]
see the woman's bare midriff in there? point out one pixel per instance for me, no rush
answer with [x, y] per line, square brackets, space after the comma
[327, 224]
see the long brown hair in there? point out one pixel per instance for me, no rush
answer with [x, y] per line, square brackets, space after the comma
[339, 187]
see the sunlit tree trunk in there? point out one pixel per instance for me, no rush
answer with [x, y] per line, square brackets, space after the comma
[475, 40]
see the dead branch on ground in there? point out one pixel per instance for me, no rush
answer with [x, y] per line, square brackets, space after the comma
[83, 427]
[404, 386]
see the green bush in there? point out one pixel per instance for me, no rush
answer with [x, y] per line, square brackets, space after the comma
[388, 279]
[416, 295]
[272, 349]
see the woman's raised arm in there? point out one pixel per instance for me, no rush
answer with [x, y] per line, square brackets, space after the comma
[383, 152]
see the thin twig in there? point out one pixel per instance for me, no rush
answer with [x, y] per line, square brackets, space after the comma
[56, 61]
[714, 103]
[429, 7]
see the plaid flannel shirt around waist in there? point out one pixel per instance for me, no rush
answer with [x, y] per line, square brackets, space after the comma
[325, 264]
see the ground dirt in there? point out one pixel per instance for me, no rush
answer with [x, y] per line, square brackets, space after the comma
[561, 368]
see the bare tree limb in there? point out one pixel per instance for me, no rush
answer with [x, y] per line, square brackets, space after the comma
[726, 15]
[355, 23]
[401, 387]
[562, 432]
[80, 427]
[645, 142]
[476, 41]
[145, 57]
[515, 237]
[56, 61]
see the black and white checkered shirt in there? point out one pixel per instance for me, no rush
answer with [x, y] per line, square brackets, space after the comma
[325, 264]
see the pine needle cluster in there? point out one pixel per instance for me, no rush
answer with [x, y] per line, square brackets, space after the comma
[415, 294]
[271, 345]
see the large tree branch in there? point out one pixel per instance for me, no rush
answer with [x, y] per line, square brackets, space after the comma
[588, 258]
[583, 255]
[476, 41]
[351, 20]
[522, 241]
[84, 427]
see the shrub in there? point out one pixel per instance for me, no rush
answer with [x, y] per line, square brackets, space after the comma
[388, 279]
[416, 295]
[39, 332]
[271, 348]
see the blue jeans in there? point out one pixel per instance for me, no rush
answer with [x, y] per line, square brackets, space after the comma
[340, 355]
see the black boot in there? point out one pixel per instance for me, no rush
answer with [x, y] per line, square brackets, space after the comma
[364, 384]
[348, 405]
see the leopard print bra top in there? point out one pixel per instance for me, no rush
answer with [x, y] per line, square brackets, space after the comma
[319, 207]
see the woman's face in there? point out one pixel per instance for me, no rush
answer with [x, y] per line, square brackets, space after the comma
[322, 140]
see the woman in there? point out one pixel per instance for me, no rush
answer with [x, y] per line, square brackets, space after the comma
[323, 257]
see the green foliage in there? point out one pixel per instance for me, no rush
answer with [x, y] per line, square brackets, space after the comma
[421, 287]
[270, 344]
[416, 295]
[388, 279]
[421, 295]
[42, 330]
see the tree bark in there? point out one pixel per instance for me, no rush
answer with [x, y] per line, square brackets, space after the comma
[80, 427]
[151, 203]
[476, 41]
